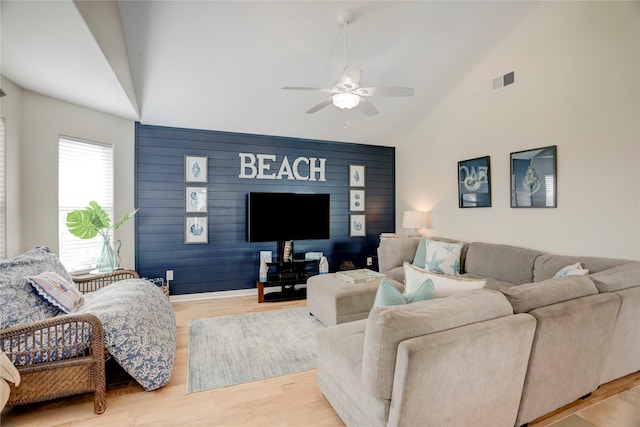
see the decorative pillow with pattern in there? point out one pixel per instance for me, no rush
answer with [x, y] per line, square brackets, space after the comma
[388, 294]
[444, 285]
[57, 291]
[571, 270]
[443, 257]
[19, 304]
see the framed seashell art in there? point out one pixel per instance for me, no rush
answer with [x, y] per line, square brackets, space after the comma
[195, 169]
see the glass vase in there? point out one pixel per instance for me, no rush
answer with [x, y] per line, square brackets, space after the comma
[107, 260]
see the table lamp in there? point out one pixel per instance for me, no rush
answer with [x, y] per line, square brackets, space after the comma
[415, 220]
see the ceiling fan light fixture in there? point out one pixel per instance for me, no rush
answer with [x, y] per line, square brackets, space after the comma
[345, 101]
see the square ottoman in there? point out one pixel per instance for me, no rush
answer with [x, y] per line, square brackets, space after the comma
[332, 300]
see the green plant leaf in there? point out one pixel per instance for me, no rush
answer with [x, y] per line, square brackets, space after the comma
[125, 218]
[83, 223]
[87, 223]
[103, 217]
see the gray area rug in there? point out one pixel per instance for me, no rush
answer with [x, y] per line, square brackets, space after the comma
[248, 347]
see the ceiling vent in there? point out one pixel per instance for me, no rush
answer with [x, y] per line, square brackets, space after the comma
[504, 80]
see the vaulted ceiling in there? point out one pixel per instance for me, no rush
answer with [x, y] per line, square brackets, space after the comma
[220, 65]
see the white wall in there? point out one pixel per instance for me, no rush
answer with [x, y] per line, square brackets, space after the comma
[577, 86]
[44, 120]
[11, 110]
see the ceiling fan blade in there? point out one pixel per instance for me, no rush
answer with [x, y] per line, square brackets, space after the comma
[351, 77]
[320, 106]
[367, 107]
[385, 91]
[315, 89]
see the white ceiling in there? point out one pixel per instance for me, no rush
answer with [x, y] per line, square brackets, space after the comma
[220, 65]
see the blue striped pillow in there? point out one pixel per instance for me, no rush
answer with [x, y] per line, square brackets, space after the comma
[57, 291]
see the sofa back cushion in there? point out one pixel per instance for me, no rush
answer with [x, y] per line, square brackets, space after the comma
[393, 252]
[547, 265]
[19, 304]
[525, 298]
[623, 276]
[387, 327]
[502, 262]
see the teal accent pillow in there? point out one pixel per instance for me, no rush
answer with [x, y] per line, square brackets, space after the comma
[421, 253]
[388, 295]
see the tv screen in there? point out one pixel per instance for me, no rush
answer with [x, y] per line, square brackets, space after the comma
[287, 216]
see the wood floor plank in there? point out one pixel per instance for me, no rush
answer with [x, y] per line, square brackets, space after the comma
[286, 401]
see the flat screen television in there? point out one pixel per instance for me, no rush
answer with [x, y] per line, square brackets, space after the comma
[276, 217]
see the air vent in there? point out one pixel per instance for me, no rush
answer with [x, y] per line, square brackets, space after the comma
[504, 80]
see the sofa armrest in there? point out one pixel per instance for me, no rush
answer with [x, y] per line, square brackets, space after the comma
[58, 338]
[441, 379]
[57, 357]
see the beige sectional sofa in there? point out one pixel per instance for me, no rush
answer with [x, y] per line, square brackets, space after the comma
[505, 355]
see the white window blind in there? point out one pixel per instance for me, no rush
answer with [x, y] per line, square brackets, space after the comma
[3, 194]
[85, 173]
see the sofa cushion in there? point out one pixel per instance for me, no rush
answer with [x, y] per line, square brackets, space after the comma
[57, 291]
[444, 285]
[393, 252]
[387, 294]
[502, 262]
[387, 327]
[525, 298]
[19, 304]
[617, 278]
[547, 265]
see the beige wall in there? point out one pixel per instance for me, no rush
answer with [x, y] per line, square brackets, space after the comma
[43, 120]
[577, 86]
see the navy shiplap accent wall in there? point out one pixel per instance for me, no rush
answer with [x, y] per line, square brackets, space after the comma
[228, 261]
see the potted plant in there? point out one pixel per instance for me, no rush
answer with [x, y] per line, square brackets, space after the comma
[93, 220]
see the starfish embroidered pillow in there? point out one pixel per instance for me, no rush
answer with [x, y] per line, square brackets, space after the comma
[443, 257]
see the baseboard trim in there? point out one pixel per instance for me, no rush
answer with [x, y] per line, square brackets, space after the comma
[213, 295]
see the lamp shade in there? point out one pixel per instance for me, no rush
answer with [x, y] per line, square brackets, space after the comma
[414, 219]
[346, 100]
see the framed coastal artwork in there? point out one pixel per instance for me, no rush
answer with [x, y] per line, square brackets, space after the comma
[356, 175]
[356, 200]
[196, 229]
[195, 199]
[357, 226]
[195, 168]
[534, 178]
[474, 183]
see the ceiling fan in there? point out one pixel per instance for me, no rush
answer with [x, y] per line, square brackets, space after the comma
[347, 92]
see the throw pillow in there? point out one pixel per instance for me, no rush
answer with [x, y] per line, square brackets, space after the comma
[421, 253]
[444, 285]
[571, 270]
[442, 257]
[388, 294]
[57, 291]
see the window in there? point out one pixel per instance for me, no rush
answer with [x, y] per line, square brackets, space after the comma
[85, 173]
[3, 194]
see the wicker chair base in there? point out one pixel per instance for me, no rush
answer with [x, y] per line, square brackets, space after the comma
[61, 379]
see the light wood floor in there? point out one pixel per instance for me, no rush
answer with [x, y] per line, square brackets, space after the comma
[291, 400]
